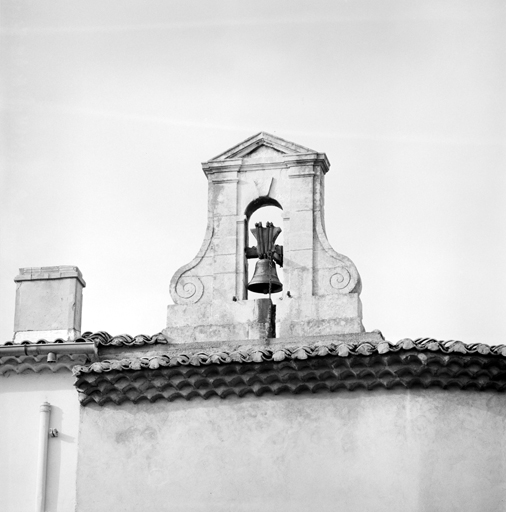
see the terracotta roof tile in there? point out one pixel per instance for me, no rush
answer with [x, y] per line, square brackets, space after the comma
[104, 338]
[38, 342]
[39, 363]
[309, 368]
[249, 354]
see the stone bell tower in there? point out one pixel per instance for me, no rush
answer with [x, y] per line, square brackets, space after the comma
[320, 286]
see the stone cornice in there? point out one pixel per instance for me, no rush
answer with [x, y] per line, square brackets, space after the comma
[304, 368]
[43, 273]
[283, 161]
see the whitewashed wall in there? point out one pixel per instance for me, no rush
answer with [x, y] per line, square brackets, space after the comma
[20, 400]
[420, 450]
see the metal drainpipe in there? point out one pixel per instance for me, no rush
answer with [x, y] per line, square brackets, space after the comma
[45, 414]
[35, 349]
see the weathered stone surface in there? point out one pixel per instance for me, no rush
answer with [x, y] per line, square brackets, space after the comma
[48, 303]
[319, 315]
[219, 320]
[401, 450]
[265, 170]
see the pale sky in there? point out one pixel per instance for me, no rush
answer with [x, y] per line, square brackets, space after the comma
[109, 108]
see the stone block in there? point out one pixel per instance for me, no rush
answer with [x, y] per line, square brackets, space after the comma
[232, 320]
[226, 225]
[319, 315]
[302, 240]
[301, 221]
[299, 259]
[301, 192]
[225, 198]
[225, 245]
[224, 286]
[224, 263]
[297, 281]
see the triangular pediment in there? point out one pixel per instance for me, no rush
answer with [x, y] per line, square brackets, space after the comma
[262, 145]
[263, 151]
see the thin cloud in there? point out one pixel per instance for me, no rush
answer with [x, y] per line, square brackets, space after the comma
[231, 23]
[51, 108]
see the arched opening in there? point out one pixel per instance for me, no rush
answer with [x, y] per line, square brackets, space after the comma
[260, 202]
[263, 209]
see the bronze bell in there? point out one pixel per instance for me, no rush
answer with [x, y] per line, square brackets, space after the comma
[265, 271]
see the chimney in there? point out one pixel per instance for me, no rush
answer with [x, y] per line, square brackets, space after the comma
[48, 303]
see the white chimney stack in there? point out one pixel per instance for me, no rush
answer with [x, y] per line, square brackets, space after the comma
[48, 303]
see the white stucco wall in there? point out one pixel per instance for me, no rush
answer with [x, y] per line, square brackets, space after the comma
[420, 450]
[20, 400]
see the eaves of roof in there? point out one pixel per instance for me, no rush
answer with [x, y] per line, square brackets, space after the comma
[305, 368]
[105, 339]
[29, 356]
[39, 363]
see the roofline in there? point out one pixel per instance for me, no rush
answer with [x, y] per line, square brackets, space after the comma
[261, 134]
[87, 347]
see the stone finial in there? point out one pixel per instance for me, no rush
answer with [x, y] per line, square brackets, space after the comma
[48, 303]
[320, 286]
